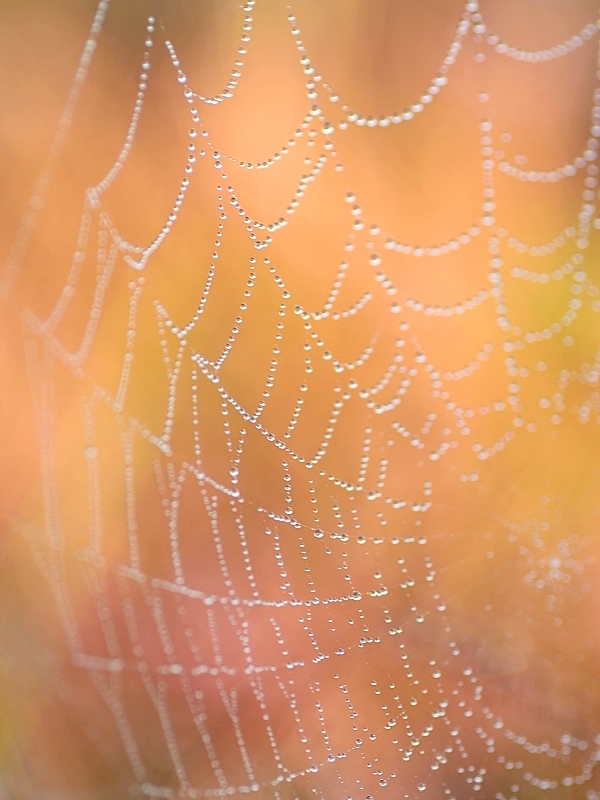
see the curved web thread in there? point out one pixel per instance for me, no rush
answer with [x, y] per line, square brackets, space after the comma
[11, 268]
[354, 677]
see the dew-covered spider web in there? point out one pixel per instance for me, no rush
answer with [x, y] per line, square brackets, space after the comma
[318, 501]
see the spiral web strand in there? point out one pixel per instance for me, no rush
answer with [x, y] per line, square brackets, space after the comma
[351, 676]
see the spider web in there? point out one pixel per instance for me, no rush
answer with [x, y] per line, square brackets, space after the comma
[261, 583]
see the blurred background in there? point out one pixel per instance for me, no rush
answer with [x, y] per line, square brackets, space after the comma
[303, 245]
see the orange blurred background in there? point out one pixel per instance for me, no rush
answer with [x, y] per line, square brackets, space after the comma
[137, 551]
